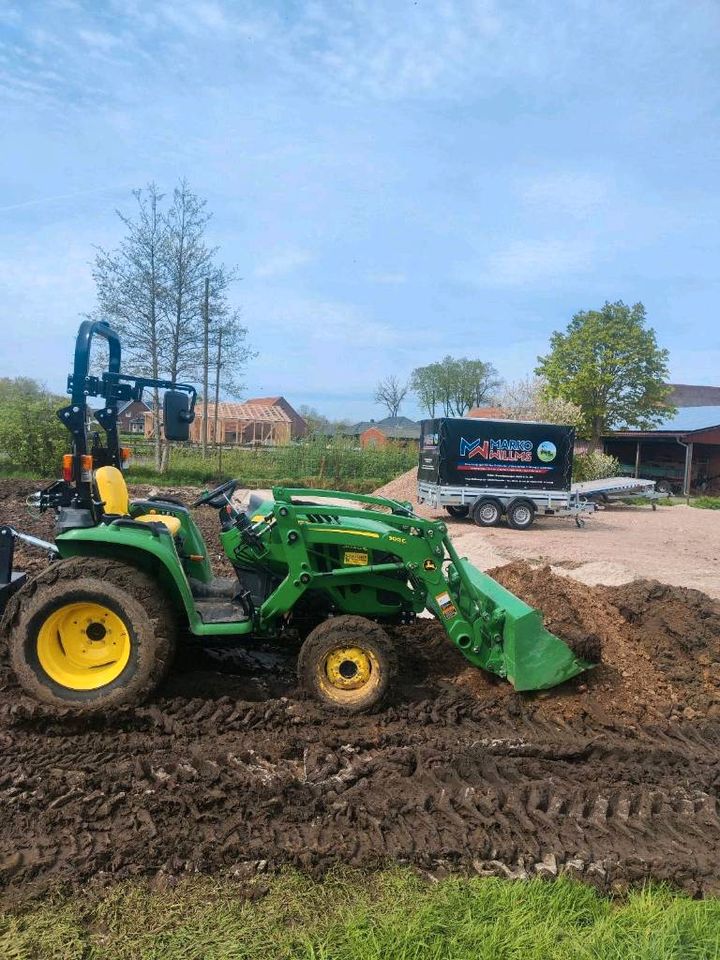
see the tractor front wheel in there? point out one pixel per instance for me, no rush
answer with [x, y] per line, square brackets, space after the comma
[90, 635]
[348, 664]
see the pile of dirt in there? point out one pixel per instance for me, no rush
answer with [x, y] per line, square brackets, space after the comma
[660, 644]
[404, 488]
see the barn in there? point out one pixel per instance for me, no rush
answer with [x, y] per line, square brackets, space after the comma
[682, 454]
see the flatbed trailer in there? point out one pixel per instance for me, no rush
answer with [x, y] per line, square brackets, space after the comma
[520, 507]
[613, 489]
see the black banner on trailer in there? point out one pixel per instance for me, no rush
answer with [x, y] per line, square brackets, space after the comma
[496, 453]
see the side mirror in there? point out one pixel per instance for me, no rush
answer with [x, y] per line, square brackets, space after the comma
[176, 415]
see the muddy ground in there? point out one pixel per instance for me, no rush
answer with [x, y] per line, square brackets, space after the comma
[614, 777]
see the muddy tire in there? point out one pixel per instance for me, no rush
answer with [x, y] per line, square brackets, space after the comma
[89, 635]
[459, 511]
[348, 664]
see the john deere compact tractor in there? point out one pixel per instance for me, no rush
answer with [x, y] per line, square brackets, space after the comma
[97, 628]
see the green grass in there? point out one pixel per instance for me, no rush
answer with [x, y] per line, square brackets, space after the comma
[335, 464]
[706, 503]
[390, 915]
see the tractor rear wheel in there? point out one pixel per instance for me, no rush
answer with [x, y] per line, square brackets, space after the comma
[90, 635]
[348, 664]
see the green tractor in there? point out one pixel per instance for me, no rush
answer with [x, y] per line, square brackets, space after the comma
[97, 628]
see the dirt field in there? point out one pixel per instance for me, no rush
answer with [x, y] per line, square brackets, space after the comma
[614, 778]
[678, 544]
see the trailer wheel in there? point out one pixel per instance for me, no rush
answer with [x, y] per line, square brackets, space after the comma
[458, 512]
[487, 512]
[520, 514]
[664, 487]
[348, 664]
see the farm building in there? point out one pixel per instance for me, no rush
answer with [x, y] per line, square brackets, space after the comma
[268, 421]
[682, 454]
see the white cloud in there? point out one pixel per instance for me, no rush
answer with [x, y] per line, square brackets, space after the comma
[525, 262]
[99, 40]
[282, 263]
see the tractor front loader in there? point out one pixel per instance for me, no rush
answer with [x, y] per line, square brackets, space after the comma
[97, 628]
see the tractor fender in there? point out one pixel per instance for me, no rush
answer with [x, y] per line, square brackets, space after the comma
[147, 549]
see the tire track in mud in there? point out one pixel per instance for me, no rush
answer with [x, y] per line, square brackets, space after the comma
[442, 783]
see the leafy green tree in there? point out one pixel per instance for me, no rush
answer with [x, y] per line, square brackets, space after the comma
[32, 439]
[454, 385]
[608, 362]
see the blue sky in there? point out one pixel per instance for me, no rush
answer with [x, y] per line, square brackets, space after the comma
[394, 180]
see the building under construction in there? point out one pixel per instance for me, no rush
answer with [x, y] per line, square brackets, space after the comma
[263, 421]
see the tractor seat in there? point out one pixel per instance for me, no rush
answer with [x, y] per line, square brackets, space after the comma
[113, 491]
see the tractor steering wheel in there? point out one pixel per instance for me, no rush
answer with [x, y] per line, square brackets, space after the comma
[211, 498]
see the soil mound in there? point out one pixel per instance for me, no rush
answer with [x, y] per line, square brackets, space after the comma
[403, 487]
[660, 644]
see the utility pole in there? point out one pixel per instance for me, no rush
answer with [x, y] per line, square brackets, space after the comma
[218, 363]
[206, 366]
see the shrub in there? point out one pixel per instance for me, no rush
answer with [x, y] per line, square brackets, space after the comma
[594, 466]
[32, 439]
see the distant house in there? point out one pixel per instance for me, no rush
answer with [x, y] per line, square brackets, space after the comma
[131, 416]
[376, 433]
[266, 421]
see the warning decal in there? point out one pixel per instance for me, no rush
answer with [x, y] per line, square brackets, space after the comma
[356, 558]
[446, 605]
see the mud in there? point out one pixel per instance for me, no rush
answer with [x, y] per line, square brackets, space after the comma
[613, 778]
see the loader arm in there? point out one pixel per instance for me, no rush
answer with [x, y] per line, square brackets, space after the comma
[331, 548]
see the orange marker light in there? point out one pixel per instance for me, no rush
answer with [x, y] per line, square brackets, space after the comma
[67, 467]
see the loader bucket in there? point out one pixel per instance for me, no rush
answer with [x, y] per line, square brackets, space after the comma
[530, 656]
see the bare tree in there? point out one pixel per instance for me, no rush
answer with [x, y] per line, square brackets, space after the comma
[131, 288]
[390, 393]
[166, 294]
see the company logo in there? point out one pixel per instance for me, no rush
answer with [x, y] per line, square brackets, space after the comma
[546, 451]
[508, 450]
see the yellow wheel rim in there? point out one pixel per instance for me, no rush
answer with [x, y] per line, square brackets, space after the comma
[83, 645]
[347, 674]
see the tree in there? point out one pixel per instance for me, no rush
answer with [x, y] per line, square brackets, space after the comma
[454, 385]
[424, 384]
[529, 399]
[319, 425]
[153, 290]
[390, 393]
[131, 285]
[32, 439]
[608, 362]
